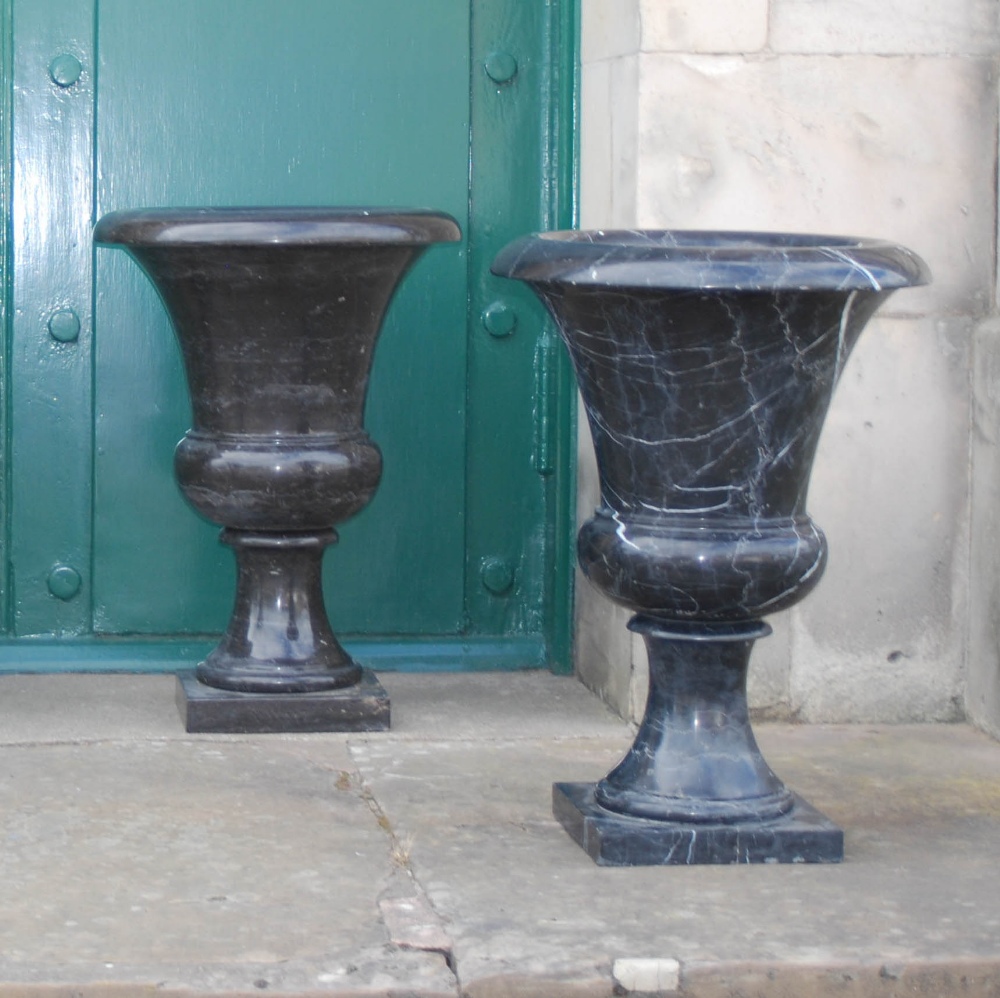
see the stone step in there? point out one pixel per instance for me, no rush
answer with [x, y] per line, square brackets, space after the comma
[138, 859]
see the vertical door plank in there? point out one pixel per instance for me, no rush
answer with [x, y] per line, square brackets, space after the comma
[516, 433]
[562, 156]
[50, 378]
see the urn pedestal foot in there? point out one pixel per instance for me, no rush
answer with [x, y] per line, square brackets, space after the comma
[801, 835]
[361, 707]
[279, 666]
[694, 787]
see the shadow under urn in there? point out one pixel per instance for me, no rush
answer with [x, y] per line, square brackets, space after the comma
[277, 311]
[706, 362]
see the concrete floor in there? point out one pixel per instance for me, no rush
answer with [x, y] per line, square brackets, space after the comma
[139, 860]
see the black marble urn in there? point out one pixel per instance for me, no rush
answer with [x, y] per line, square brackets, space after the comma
[277, 311]
[706, 362]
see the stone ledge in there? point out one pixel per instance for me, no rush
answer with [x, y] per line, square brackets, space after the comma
[141, 860]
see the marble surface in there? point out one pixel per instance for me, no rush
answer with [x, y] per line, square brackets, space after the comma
[277, 311]
[706, 362]
[694, 759]
[801, 835]
[279, 639]
[361, 706]
[711, 260]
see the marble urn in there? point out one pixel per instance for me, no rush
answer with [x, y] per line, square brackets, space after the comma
[706, 362]
[277, 312]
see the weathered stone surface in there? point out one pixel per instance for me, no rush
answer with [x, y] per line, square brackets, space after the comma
[898, 901]
[413, 924]
[609, 28]
[704, 25]
[210, 865]
[889, 26]
[883, 637]
[982, 696]
[825, 144]
[609, 138]
[646, 975]
[467, 707]
[297, 833]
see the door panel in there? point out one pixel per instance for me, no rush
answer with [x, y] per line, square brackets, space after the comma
[48, 488]
[222, 102]
[283, 104]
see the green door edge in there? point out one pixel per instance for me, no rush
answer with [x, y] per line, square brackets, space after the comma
[6, 161]
[532, 144]
[557, 63]
[564, 141]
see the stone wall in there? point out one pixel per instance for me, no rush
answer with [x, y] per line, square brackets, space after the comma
[861, 117]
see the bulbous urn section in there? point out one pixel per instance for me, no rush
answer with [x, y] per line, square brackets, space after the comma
[277, 312]
[302, 482]
[706, 362]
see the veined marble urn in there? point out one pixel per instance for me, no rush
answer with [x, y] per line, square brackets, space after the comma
[277, 311]
[706, 362]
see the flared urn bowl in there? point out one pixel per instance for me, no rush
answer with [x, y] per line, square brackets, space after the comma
[706, 362]
[277, 312]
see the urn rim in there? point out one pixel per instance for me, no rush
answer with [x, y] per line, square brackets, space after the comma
[710, 259]
[297, 226]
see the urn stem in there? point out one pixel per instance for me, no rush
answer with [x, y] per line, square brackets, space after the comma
[279, 637]
[695, 757]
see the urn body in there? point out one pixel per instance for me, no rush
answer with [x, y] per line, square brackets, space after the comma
[277, 312]
[706, 362]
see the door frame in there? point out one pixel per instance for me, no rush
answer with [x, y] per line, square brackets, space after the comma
[545, 41]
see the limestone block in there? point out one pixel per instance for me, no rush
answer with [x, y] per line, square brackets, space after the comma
[886, 26]
[602, 643]
[624, 142]
[639, 681]
[609, 140]
[704, 25]
[768, 677]
[983, 679]
[588, 485]
[603, 648]
[883, 635]
[901, 148]
[596, 167]
[608, 28]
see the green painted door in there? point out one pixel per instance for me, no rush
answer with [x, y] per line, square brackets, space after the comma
[462, 559]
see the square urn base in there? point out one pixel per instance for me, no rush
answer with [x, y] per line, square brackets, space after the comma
[803, 835]
[361, 707]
